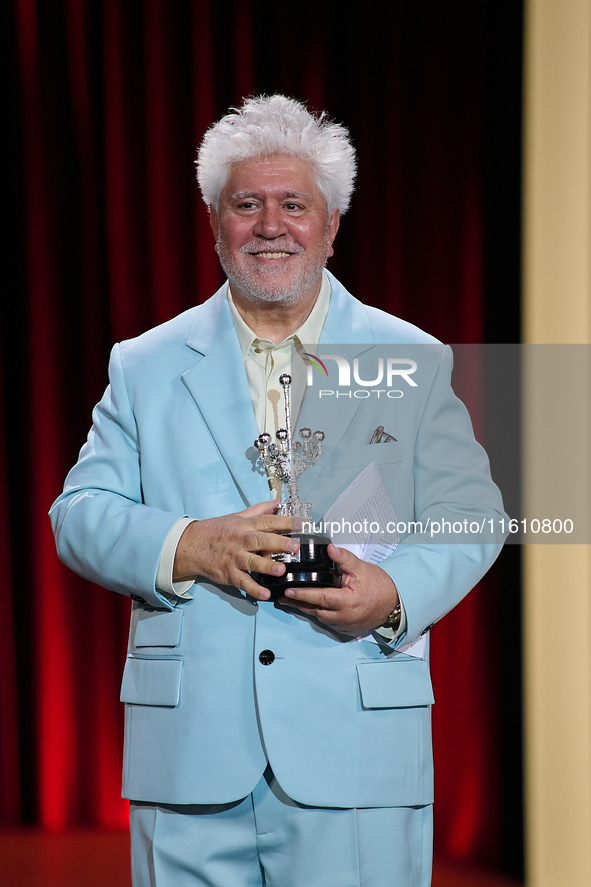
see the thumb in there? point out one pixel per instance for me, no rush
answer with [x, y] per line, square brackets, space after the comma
[344, 558]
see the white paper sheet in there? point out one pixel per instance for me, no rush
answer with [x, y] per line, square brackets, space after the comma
[365, 502]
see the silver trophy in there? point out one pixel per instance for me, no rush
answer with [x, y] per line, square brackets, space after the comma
[289, 458]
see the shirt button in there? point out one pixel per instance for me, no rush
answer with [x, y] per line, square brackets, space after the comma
[266, 657]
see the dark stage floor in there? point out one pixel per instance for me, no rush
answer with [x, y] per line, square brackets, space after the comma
[100, 859]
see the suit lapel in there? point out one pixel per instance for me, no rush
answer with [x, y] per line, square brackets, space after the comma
[218, 385]
[347, 333]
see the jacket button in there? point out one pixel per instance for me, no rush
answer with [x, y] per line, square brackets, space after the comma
[266, 657]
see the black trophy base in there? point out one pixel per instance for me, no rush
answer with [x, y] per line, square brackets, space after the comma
[310, 566]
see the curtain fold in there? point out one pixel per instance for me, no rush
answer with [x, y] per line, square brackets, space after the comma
[114, 98]
[10, 799]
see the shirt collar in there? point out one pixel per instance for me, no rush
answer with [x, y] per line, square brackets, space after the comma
[308, 334]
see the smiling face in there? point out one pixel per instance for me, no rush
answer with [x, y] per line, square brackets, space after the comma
[273, 232]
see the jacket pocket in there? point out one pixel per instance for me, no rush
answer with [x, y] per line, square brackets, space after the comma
[151, 681]
[381, 454]
[157, 628]
[404, 683]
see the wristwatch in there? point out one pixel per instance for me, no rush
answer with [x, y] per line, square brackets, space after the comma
[393, 620]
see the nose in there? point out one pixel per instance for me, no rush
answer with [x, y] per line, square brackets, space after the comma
[270, 222]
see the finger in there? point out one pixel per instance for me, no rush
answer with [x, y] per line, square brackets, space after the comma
[329, 617]
[260, 508]
[342, 556]
[308, 609]
[297, 524]
[266, 565]
[274, 523]
[271, 543]
[247, 584]
[317, 598]
[348, 563]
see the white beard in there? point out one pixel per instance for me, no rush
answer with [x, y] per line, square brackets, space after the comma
[266, 283]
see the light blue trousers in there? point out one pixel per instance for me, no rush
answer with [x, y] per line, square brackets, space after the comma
[267, 840]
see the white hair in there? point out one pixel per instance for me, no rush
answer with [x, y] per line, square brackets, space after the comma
[268, 125]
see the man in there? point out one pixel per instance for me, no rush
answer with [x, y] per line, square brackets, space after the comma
[283, 744]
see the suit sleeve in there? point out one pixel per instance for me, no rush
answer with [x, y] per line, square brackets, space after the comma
[102, 528]
[432, 570]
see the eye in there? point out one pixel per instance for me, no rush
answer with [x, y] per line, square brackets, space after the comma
[293, 207]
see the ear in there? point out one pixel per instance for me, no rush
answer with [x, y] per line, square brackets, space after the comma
[214, 222]
[332, 228]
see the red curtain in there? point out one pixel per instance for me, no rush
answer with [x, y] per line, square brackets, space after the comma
[113, 97]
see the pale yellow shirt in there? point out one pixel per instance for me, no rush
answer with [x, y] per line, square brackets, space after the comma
[265, 362]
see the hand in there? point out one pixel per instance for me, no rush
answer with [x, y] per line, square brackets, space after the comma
[224, 549]
[364, 601]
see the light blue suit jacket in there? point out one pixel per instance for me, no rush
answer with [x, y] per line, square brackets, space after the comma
[343, 723]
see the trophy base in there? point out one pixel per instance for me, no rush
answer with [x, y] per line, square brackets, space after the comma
[310, 566]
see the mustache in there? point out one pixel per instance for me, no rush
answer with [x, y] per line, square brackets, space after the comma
[281, 245]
